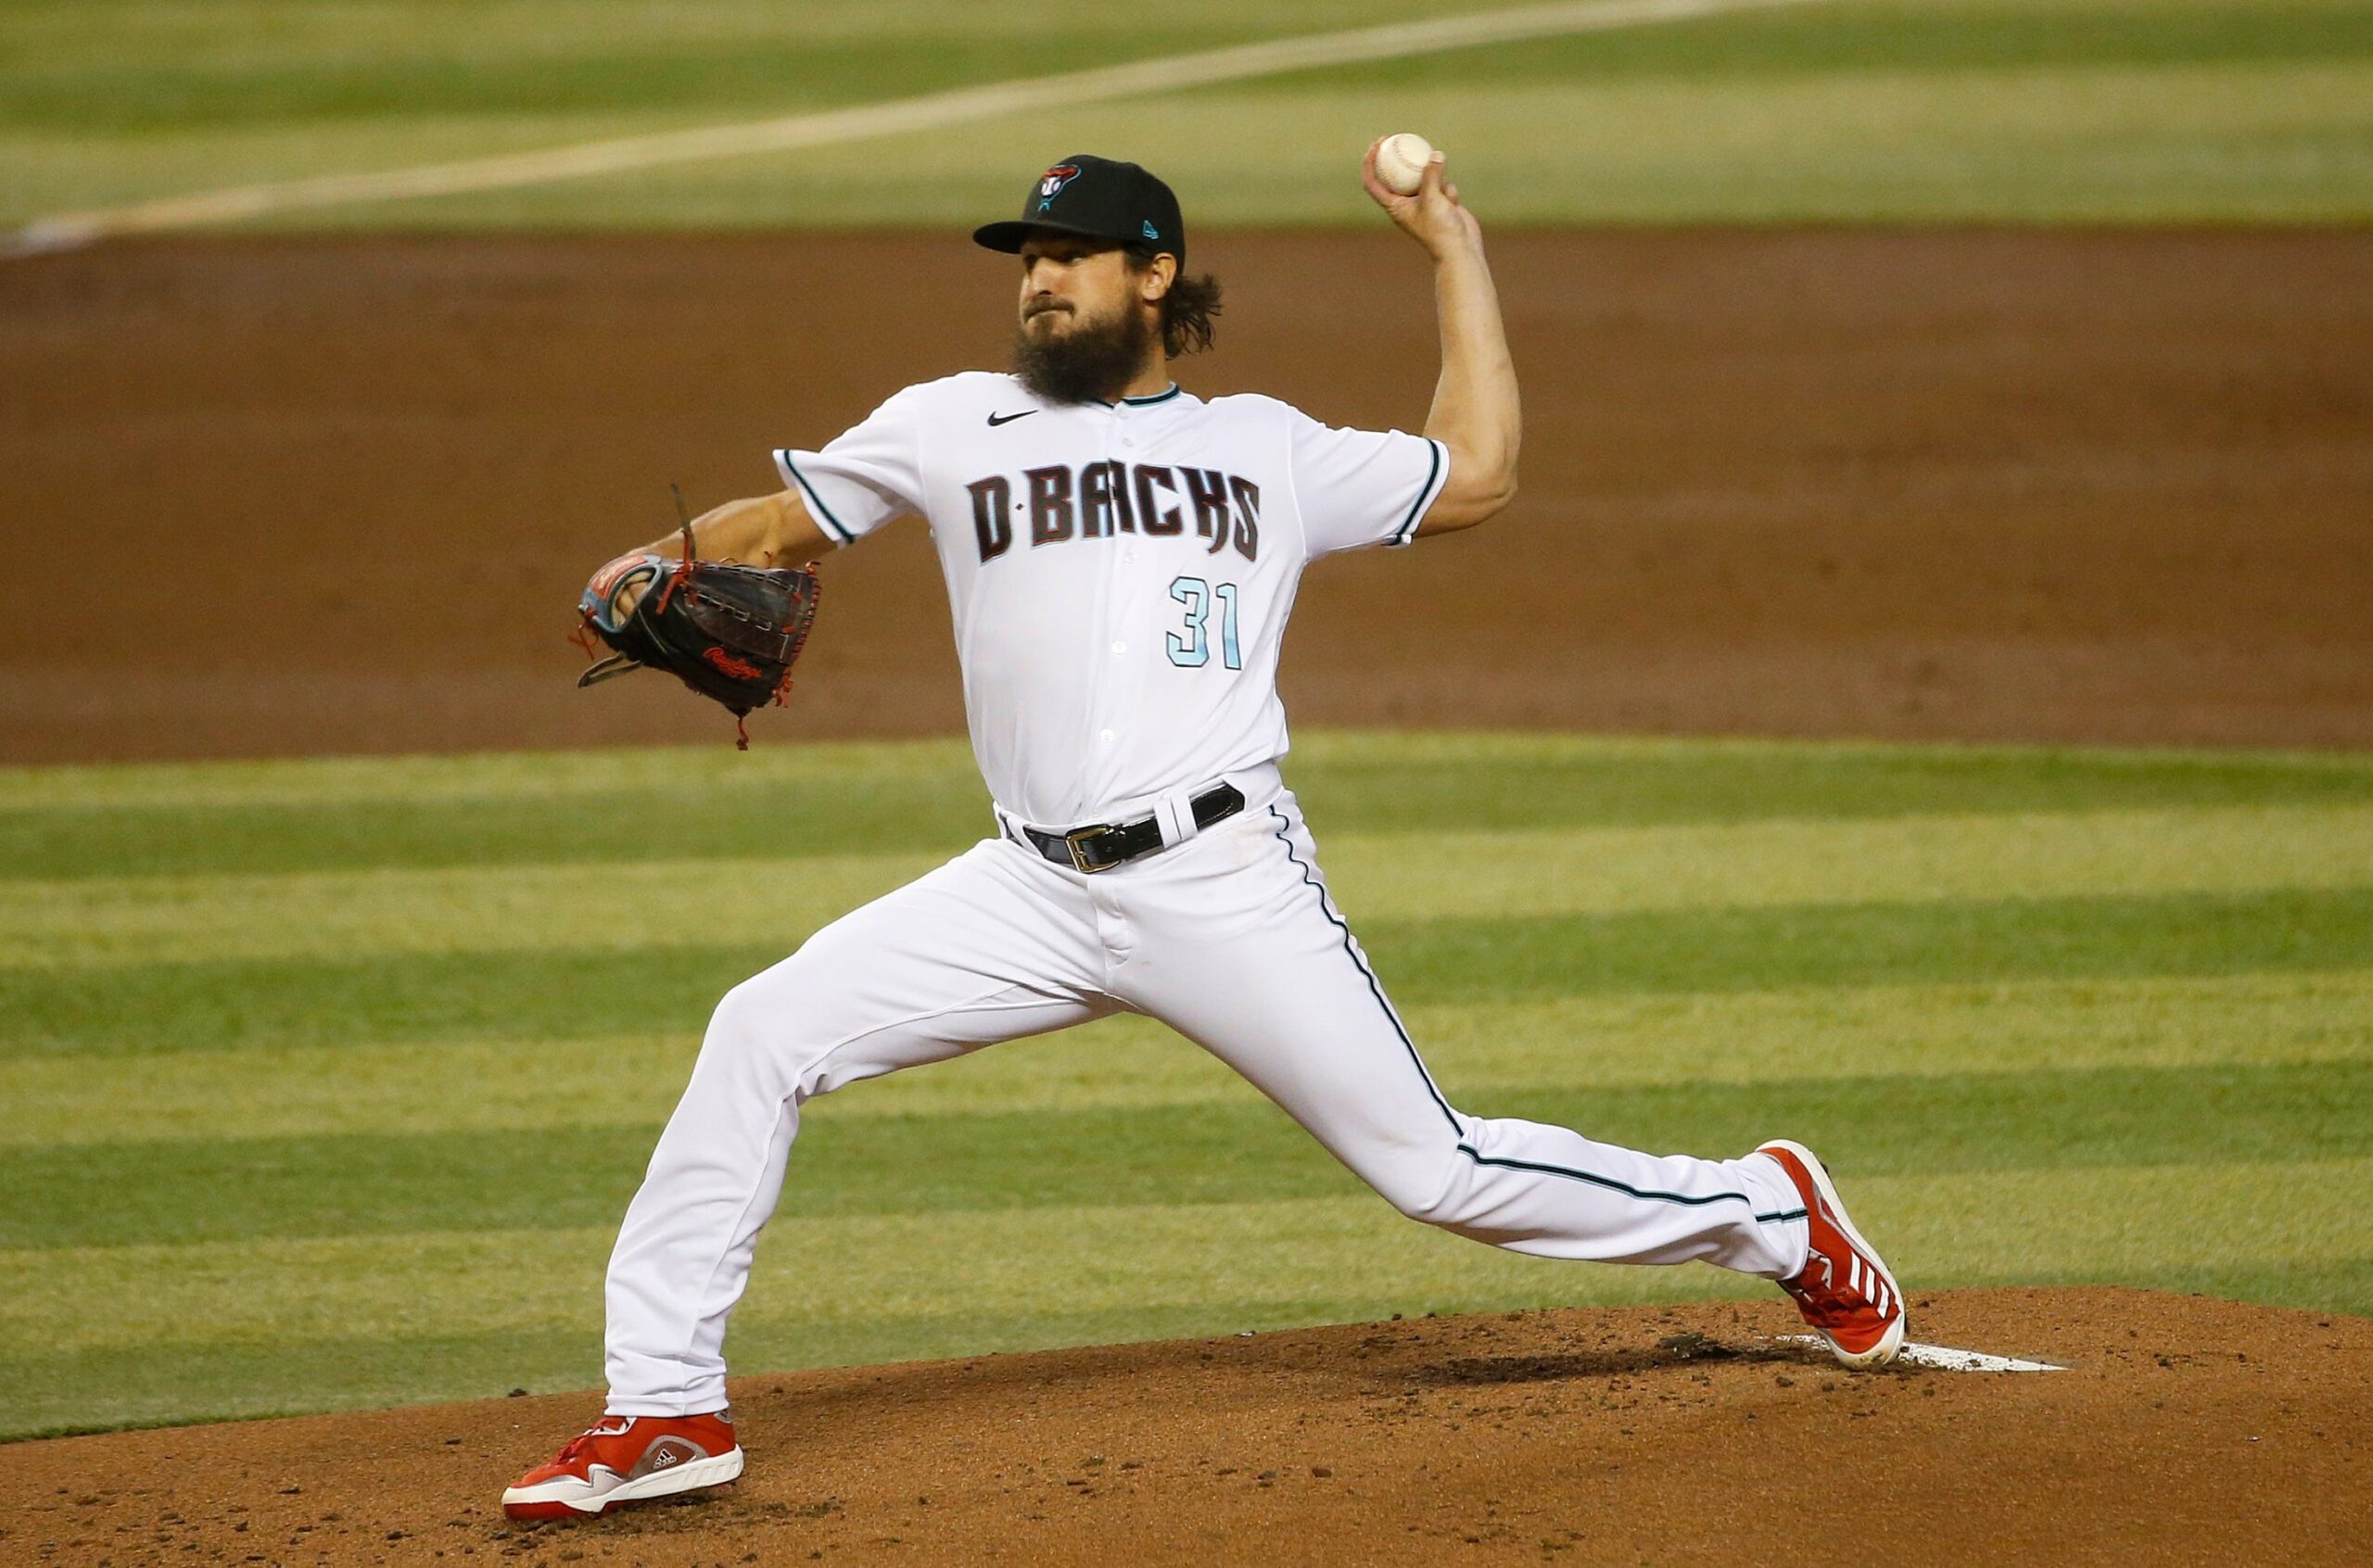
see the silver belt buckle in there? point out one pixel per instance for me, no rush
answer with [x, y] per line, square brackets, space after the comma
[1073, 842]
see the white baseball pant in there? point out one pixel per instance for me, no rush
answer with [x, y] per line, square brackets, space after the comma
[1229, 936]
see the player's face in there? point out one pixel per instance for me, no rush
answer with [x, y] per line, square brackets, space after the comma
[1087, 326]
[1070, 284]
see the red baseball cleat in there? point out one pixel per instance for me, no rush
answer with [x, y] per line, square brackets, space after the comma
[1845, 1292]
[625, 1460]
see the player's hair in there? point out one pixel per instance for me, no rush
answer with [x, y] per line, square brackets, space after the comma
[1186, 310]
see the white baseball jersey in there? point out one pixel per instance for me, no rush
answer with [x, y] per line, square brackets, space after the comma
[1120, 574]
[1120, 577]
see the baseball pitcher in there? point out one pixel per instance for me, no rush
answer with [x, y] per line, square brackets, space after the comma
[1120, 557]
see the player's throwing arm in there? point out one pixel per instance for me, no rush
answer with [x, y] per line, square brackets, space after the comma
[1475, 412]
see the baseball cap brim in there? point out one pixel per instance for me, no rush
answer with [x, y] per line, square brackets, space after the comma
[1008, 236]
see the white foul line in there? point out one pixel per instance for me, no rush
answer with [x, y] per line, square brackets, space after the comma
[931, 111]
[1944, 1357]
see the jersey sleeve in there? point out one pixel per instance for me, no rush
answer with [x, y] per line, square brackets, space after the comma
[869, 475]
[1361, 487]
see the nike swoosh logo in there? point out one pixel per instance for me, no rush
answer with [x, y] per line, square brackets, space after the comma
[996, 419]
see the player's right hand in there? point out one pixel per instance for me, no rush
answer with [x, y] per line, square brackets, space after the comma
[1435, 218]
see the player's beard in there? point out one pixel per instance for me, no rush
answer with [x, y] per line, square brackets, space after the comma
[1093, 362]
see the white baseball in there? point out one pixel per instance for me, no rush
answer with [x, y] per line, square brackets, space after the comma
[1401, 162]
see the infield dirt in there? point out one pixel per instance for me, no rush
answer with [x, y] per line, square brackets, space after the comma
[340, 494]
[2183, 1431]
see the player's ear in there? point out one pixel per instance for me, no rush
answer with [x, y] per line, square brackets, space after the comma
[1155, 281]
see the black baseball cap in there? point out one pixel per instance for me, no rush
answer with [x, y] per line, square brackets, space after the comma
[1098, 197]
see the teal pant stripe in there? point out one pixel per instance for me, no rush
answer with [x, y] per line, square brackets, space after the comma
[1625, 1188]
[1327, 907]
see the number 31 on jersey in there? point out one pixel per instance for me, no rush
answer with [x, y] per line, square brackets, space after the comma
[1192, 648]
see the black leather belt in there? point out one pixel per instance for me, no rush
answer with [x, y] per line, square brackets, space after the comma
[1102, 847]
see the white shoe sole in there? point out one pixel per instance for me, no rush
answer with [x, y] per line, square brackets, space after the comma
[579, 1494]
[1891, 1342]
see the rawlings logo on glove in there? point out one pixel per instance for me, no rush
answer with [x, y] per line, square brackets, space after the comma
[730, 632]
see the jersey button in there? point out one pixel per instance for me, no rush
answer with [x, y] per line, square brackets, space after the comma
[1106, 738]
[1119, 648]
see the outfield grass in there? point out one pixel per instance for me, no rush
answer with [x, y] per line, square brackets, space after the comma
[1896, 110]
[323, 1084]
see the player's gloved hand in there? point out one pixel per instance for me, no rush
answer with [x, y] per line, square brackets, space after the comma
[730, 632]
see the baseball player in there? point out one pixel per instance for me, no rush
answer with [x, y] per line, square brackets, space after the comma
[1121, 556]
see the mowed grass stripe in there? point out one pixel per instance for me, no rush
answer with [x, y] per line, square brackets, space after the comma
[602, 72]
[1405, 875]
[554, 996]
[1950, 39]
[134, 919]
[616, 807]
[746, 61]
[1974, 775]
[479, 780]
[1936, 1228]
[1474, 1049]
[233, 1189]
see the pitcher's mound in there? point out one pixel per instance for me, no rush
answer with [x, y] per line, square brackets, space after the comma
[2184, 1430]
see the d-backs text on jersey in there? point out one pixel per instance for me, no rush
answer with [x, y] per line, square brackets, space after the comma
[1098, 500]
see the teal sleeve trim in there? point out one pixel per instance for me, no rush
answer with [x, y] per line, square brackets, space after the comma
[1436, 475]
[823, 513]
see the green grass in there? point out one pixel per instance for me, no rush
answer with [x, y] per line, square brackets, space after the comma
[526, 998]
[2053, 110]
[360, 1184]
[323, 1084]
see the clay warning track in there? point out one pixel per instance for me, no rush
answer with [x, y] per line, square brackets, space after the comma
[2185, 1431]
[340, 494]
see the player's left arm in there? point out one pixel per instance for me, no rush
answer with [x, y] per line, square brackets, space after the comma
[773, 530]
[1475, 414]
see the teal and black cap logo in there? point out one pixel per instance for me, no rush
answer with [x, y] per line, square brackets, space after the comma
[1051, 183]
[1099, 199]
